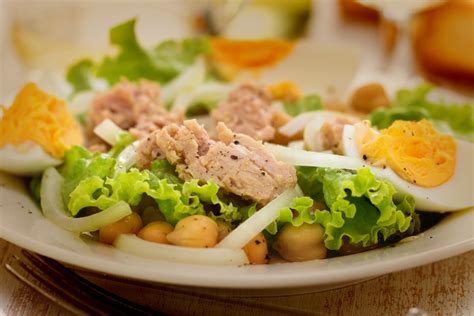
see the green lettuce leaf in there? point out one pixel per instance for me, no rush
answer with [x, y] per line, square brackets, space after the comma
[383, 118]
[103, 193]
[305, 104]
[79, 75]
[175, 199]
[361, 207]
[172, 57]
[80, 164]
[124, 139]
[162, 63]
[457, 119]
[132, 61]
[298, 213]
[162, 169]
[35, 187]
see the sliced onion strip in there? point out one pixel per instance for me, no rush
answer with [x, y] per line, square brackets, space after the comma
[217, 256]
[297, 144]
[298, 157]
[53, 207]
[296, 124]
[185, 82]
[240, 236]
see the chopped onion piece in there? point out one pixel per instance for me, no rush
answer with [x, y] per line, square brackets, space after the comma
[278, 106]
[108, 131]
[297, 124]
[53, 207]
[298, 157]
[240, 236]
[217, 256]
[127, 158]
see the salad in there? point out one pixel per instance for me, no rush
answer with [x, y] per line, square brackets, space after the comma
[172, 159]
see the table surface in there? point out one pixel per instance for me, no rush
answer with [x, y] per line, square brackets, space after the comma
[441, 288]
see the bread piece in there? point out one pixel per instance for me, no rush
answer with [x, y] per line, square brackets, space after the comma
[369, 97]
[443, 41]
[351, 9]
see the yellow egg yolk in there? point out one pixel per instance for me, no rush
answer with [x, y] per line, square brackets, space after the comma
[414, 150]
[285, 91]
[250, 53]
[43, 119]
[231, 57]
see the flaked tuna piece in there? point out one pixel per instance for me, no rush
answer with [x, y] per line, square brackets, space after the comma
[133, 107]
[148, 151]
[247, 110]
[331, 134]
[236, 162]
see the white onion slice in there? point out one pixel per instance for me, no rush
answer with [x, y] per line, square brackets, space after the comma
[297, 144]
[207, 90]
[297, 124]
[217, 256]
[108, 131]
[53, 207]
[298, 157]
[127, 158]
[240, 236]
[186, 81]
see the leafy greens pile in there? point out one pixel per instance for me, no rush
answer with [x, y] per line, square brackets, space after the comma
[161, 63]
[361, 207]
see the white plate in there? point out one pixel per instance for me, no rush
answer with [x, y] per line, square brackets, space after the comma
[22, 223]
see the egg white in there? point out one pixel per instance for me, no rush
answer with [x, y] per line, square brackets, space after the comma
[455, 194]
[26, 159]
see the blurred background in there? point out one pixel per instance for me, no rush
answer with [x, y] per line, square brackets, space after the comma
[405, 39]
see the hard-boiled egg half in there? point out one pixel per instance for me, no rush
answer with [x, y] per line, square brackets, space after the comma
[435, 169]
[35, 131]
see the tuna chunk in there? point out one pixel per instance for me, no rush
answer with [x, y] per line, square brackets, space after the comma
[236, 162]
[247, 110]
[331, 134]
[133, 107]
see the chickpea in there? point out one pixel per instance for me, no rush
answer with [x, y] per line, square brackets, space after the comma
[369, 97]
[129, 224]
[156, 232]
[223, 229]
[301, 243]
[257, 250]
[197, 231]
[279, 119]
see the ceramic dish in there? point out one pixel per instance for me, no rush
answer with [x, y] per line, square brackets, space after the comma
[332, 71]
[22, 223]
